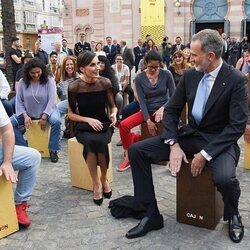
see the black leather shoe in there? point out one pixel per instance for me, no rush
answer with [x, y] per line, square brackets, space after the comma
[236, 229]
[53, 156]
[146, 225]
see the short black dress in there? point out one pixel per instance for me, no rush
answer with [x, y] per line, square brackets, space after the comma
[91, 100]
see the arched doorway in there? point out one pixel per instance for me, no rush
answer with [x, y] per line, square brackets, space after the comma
[210, 14]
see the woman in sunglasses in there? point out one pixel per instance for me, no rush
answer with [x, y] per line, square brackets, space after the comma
[153, 86]
[178, 66]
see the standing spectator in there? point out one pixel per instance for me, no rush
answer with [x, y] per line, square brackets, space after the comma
[16, 158]
[117, 46]
[244, 44]
[187, 54]
[36, 99]
[40, 53]
[139, 52]
[54, 67]
[225, 47]
[93, 44]
[98, 50]
[151, 45]
[82, 45]
[147, 37]
[110, 50]
[178, 66]
[60, 53]
[15, 57]
[178, 45]
[243, 63]
[233, 50]
[127, 55]
[166, 51]
[65, 48]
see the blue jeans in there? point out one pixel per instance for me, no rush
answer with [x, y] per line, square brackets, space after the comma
[55, 123]
[26, 161]
[63, 107]
[8, 107]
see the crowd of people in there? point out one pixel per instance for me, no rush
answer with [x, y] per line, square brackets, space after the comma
[92, 85]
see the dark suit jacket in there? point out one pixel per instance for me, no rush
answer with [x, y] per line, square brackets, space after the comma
[139, 54]
[225, 113]
[174, 48]
[128, 58]
[78, 48]
[110, 54]
[68, 51]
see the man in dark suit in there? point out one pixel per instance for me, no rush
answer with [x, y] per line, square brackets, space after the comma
[110, 50]
[177, 46]
[127, 55]
[67, 50]
[81, 45]
[216, 95]
[139, 52]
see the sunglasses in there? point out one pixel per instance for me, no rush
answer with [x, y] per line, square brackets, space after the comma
[175, 57]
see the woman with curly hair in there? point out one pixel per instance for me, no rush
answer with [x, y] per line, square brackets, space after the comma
[36, 100]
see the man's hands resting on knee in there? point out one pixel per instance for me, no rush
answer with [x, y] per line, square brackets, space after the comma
[177, 155]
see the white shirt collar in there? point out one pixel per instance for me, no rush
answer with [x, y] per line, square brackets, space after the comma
[215, 72]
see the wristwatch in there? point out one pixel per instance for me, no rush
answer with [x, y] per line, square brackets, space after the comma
[171, 142]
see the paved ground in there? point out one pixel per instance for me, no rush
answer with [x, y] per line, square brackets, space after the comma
[64, 217]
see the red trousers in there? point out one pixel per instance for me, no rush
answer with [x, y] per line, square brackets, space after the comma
[125, 127]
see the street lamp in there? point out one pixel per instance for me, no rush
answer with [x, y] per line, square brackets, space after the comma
[178, 5]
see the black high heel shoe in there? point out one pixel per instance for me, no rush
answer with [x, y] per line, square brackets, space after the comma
[98, 201]
[107, 195]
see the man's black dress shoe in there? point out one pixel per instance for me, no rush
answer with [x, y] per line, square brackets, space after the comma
[146, 225]
[236, 229]
[53, 156]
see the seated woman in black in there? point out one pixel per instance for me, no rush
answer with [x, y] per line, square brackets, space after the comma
[88, 97]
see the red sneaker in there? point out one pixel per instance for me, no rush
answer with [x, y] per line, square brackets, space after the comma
[124, 165]
[22, 216]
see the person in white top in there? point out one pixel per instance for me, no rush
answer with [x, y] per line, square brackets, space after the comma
[4, 92]
[123, 73]
[17, 158]
[98, 50]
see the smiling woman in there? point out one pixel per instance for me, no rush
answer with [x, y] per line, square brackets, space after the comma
[88, 97]
[35, 100]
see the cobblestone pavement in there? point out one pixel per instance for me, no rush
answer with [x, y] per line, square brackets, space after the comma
[64, 217]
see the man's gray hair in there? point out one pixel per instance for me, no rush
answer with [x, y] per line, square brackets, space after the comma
[211, 41]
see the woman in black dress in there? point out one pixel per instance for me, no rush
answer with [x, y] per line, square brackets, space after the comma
[88, 98]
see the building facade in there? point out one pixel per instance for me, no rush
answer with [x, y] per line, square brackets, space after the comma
[121, 19]
[31, 15]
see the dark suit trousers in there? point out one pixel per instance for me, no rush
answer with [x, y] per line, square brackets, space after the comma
[153, 150]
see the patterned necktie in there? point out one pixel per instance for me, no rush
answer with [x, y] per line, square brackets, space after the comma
[200, 99]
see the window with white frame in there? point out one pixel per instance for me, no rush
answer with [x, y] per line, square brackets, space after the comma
[29, 17]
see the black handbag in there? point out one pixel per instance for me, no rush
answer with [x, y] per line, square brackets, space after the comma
[125, 207]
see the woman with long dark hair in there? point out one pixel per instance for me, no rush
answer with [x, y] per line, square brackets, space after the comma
[36, 100]
[88, 98]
